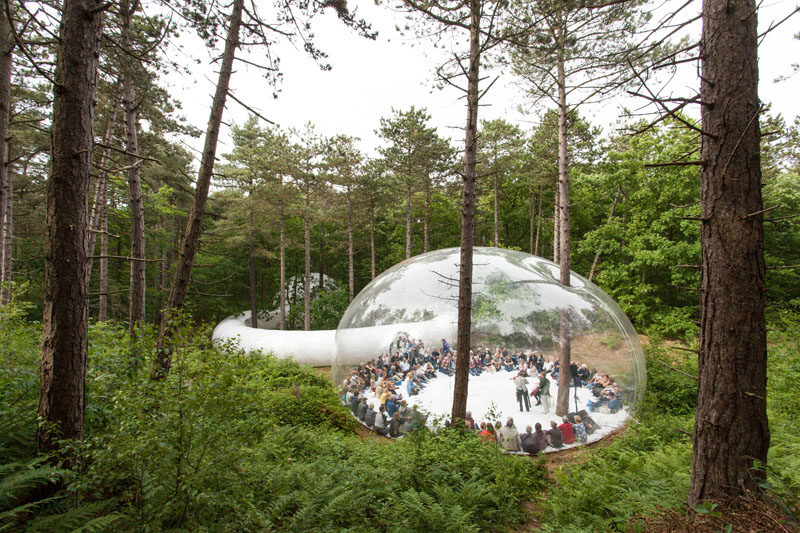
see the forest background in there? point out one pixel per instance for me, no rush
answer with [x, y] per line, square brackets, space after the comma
[347, 215]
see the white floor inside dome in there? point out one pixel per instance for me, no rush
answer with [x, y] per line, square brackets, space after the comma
[496, 393]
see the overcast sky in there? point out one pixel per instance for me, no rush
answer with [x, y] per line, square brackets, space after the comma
[369, 78]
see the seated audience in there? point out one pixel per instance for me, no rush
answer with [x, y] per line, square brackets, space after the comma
[485, 434]
[395, 426]
[381, 425]
[361, 412]
[369, 417]
[508, 436]
[554, 437]
[539, 437]
[528, 441]
[567, 434]
[580, 430]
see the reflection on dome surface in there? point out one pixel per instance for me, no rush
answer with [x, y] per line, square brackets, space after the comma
[518, 303]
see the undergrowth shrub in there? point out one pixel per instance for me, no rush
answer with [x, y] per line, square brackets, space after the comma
[648, 467]
[236, 442]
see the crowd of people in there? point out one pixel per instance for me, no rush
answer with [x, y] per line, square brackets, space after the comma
[378, 391]
[535, 439]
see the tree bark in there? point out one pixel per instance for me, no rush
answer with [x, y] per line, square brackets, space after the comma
[307, 276]
[556, 222]
[408, 221]
[610, 217]
[7, 242]
[532, 219]
[251, 260]
[426, 224]
[6, 182]
[62, 372]
[138, 279]
[183, 270]
[372, 238]
[102, 305]
[496, 214]
[322, 254]
[461, 384]
[100, 197]
[538, 223]
[351, 278]
[562, 402]
[282, 306]
[731, 432]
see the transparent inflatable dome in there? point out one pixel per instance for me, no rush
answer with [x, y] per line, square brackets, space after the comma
[403, 322]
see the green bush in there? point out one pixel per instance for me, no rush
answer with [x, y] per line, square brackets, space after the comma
[237, 442]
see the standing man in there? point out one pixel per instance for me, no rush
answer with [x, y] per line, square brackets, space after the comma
[544, 392]
[445, 347]
[521, 383]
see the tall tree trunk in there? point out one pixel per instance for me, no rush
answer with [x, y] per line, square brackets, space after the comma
[183, 270]
[372, 238]
[461, 384]
[538, 223]
[496, 214]
[157, 281]
[408, 221]
[351, 278]
[610, 218]
[532, 220]
[307, 286]
[731, 432]
[322, 255]
[251, 259]
[100, 197]
[62, 372]
[282, 305]
[562, 402]
[6, 185]
[102, 306]
[138, 280]
[7, 242]
[427, 225]
[556, 222]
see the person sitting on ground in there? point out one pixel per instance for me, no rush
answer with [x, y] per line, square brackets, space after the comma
[583, 375]
[419, 374]
[540, 437]
[528, 441]
[369, 417]
[354, 401]
[391, 405]
[361, 411]
[615, 401]
[491, 429]
[485, 434]
[381, 424]
[508, 436]
[445, 347]
[469, 421]
[567, 435]
[554, 437]
[407, 425]
[402, 408]
[395, 425]
[580, 430]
